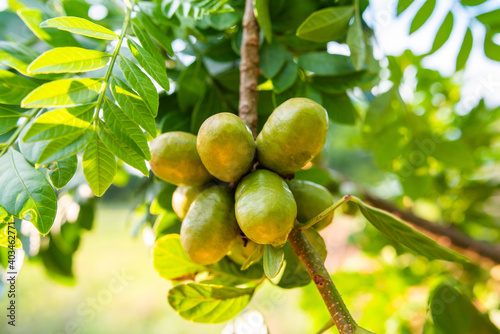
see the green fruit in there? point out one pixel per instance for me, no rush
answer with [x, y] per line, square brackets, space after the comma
[209, 228]
[240, 252]
[174, 159]
[311, 199]
[292, 136]
[265, 208]
[182, 199]
[226, 146]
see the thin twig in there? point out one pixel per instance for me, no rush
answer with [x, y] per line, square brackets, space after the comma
[465, 244]
[249, 69]
[320, 276]
[325, 213]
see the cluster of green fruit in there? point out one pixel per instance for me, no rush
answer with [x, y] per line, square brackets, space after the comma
[218, 221]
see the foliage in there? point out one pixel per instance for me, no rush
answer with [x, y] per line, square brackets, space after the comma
[96, 91]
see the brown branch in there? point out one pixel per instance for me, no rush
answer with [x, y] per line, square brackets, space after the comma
[442, 234]
[320, 276]
[249, 69]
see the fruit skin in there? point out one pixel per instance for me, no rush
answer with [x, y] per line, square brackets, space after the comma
[265, 208]
[182, 199]
[311, 199]
[174, 159]
[240, 253]
[226, 146]
[292, 136]
[209, 228]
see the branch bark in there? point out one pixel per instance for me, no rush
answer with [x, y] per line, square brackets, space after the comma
[465, 244]
[249, 69]
[320, 276]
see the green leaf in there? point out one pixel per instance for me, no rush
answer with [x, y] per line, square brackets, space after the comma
[401, 233]
[255, 257]
[340, 108]
[170, 260]
[338, 83]
[149, 63]
[325, 25]
[68, 60]
[465, 50]
[491, 49]
[210, 104]
[490, 18]
[454, 154]
[14, 88]
[140, 83]
[422, 15]
[223, 21]
[64, 147]
[175, 121]
[208, 303]
[155, 32]
[163, 201]
[125, 129]
[453, 312]
[356, 42]
[190, 85]
[295, 274]
[16, 56]
[286, 77]
[79, 26]
[8, 119]
[472, 2]
[62, 171]
[121, 149]
[99, 165]
[26, 193]
[402, 6]
[148, 44]
[8, 236]
[33, 19]
[443, 33]
[133, 106]
[264, 19]
[272, 58]
[273, 261]
[325, 64]
[63, 93]
[60, 122]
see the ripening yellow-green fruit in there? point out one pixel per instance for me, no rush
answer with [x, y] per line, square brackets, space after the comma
[174, 159]
[292, 136]
[209, 228]
[241, 251]
[265, 208]
[226, 146]
[311, 199]
[182, 199]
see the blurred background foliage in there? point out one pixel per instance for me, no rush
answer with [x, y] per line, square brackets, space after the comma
[399, 129]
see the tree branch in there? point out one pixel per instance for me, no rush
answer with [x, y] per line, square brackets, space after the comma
[249, 69]
[466, 244]
[320, 276]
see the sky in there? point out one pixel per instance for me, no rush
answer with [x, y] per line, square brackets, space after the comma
[481, 77]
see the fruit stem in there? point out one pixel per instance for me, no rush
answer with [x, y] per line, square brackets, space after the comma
[325, 213]
[16, 134]
[109, 71]
[320, 276]
[326, 327]
[249, 69]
